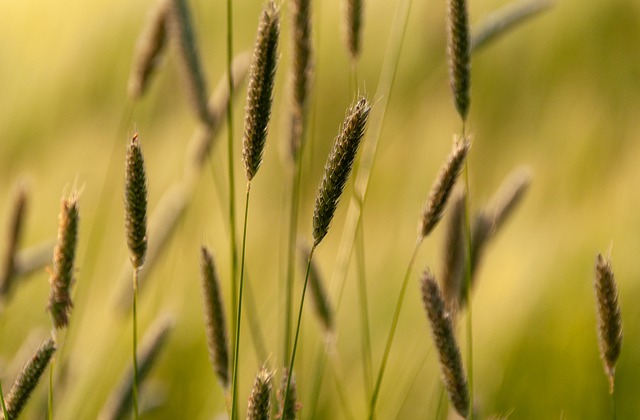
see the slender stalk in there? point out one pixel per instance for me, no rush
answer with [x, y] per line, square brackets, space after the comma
[293, 233]
[50, 398]
[4, 406]
[364, 311]
[613, 402]
[295, 340]
[236, 355]
[392, 331]
[469, 317]
[135, 342]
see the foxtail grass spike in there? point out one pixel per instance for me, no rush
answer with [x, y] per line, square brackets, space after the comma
[609, 317]
[149, 48]
[481, 233]
[509, 196]
[28, 378]
[16, 223]
[302, 70]
[62, 273]
[259, 407]
[444, 338]
[502, 21]
[182, 31]
[119, 403]
[289, 408]
[135, 199]
[459, 51]
[338, 167]
[214, 319]
[260, 90]
[441, 190]
[353, 28]
[318, 293]
[454, 253]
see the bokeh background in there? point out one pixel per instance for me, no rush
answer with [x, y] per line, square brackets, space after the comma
[560, 95]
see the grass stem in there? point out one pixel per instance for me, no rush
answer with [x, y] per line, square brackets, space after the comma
[50, 397]
[365, 329]
[135, 342]
[4, 406]
[236, 355]
[468, 288]
[392, 331]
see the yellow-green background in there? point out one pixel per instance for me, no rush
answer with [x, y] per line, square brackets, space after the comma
[561, 95]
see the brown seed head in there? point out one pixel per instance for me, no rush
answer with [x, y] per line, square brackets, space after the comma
[16, 223]
[260, 399]
[288, 409]
[135, 199]
[354, 25]
[458, 48]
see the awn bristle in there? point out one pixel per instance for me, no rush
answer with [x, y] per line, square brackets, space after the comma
[16, 223]
[28, 378]
[353, 27]
[302, 70]
[260, 90]
[609, 317]
[443, 334]
[149, 48]
[120, 402]
[458, 48]
[338, 167]
[64, 253]
[442, 187]
[216, 329]
[135, 199]
[319, 295]
[182, 31]
[259, 407]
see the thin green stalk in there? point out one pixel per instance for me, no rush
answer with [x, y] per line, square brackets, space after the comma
[291, 250]
[231, 173]
[468, 287]
[236, 355]
[50, 399]
[135, 343]
[321, 358]
[441, 402]
[364, 311]
[613, 401]
[392, 331]
[295, 340]
[4, 406]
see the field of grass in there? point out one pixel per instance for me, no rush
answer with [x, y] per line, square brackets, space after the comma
[559, 94]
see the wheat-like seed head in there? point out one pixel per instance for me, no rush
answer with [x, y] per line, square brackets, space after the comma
[181, 30]
[509, 196]
[259, 407]
[288, 409]
[609, 317]
[62, 273]
[16, 223]
[214, 318]
[28, 379]
[149, 48]
[301, 72]
[458, 48]
[135, 200]
[442, 187]
[453, 374]
[260, 90]
[338, 167]
[454, 253]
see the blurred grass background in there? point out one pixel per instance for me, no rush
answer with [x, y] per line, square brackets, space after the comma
[561, 95]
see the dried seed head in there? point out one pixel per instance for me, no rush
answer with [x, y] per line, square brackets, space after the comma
[288, 409]
[119, 404]
[28, 379]
[509, 196]
[135, 199]
[64, 253]
[454, 253]
[609, 317]
[181, 30]
[302, 69]
[260, 399]
[260, 90]
[354, 25]
[338, 167]
[505, 19]
[16, 223]
[149, 49]
[458, 47]
[318, 293]
[481, 234]
[453, 374]
[215, 325]
[437, 201]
